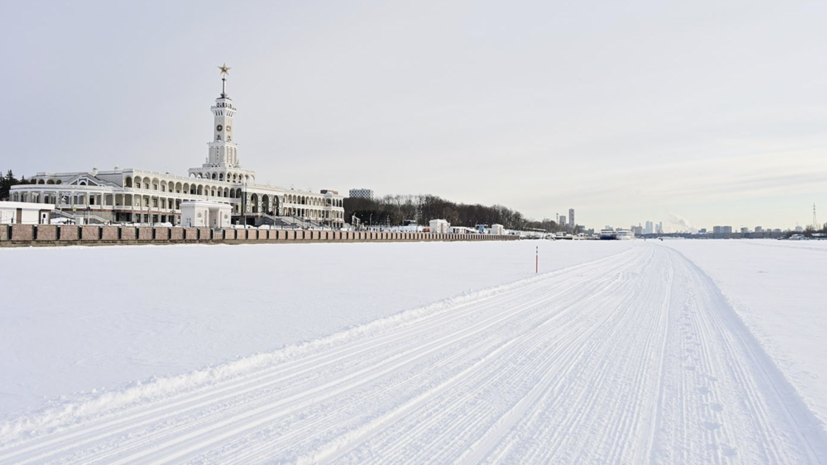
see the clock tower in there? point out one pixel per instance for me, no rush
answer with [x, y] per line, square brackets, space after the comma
[223, 151]
[222, 156]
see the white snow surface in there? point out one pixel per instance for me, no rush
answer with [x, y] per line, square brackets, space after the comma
[619, 352]
[81, 318]
[778, 289]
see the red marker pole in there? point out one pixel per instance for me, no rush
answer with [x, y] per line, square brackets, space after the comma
[537, 260]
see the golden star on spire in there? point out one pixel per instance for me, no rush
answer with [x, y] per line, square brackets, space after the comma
[224, 69]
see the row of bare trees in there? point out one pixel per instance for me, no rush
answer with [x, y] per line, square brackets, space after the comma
[809, 231]
[394, 210]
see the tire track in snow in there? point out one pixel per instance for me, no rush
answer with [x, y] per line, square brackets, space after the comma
[632, 358]
[241, 388]
[246, 420]
[453, 337]
[476, 385]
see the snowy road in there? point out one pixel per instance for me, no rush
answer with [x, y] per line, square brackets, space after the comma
[632, 358]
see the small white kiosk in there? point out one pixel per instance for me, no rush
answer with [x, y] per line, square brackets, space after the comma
[440, 226]
[200, 214]
[25, 213]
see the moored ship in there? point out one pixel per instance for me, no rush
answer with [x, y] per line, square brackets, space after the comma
[624, 234]
[611, 234]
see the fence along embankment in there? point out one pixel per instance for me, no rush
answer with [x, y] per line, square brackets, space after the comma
[24, 235]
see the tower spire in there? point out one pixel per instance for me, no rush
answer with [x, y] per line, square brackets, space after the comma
[225, 71]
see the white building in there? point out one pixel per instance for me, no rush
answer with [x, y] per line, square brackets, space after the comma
[25, 213]
[144, 196]
[440, 226]
[196, 214]
[497, 229]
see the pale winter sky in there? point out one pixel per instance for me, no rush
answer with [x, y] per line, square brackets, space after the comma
[711, 111]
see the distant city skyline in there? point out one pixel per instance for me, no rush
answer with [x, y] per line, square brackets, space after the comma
[697, 114]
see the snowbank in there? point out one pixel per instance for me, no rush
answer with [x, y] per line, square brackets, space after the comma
[78, 319]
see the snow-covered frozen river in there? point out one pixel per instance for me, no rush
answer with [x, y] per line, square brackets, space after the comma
[671, 352]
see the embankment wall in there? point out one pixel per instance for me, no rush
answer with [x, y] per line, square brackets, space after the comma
[25, 235]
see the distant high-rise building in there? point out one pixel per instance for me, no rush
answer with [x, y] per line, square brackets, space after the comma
[722, 229]
[744, 230]
[659, 229]
[571, 218]
[361, 193]
[759, 229]
[562, 220]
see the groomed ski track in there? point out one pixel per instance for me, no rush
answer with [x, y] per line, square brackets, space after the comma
[634, 358]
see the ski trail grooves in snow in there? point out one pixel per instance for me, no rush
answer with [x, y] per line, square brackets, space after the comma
[633, 358]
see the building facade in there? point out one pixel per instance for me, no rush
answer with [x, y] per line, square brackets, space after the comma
[143, 196]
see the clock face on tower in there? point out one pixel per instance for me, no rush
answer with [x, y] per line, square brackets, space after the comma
[219, 127]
